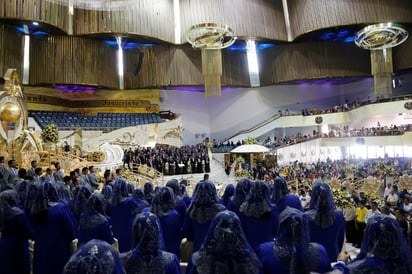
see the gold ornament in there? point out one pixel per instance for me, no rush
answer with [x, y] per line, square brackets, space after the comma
[10, 112]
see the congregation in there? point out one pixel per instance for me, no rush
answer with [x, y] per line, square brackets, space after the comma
[170, 160]
[254, 227]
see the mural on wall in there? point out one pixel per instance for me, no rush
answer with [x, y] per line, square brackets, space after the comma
[93, 100]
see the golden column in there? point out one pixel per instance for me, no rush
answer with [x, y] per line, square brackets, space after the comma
[380, 39]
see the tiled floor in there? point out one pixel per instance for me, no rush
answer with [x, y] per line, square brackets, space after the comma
[353, 251]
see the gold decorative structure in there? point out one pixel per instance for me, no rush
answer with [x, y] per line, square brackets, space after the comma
[380, 39]
[211, 38]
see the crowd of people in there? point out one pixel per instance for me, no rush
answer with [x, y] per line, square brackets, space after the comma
[169, 160]
[334, 132]
[254, 227]
[349, 169]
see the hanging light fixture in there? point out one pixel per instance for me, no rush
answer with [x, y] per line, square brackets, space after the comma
[210, 38]
[380, 39]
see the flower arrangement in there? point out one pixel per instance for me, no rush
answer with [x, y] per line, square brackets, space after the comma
[388, 171]
[342, 199]
[240, 160]
[350, 169]
[249, 141]
[372, 196]
[242, 173]
[210, 144]
[50, 134]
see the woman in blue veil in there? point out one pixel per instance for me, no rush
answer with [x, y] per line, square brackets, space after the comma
[292, 251]
[95, 257]
[225, 249]
[15, 232]
[384, 249]
[147, 255]
[326, 223]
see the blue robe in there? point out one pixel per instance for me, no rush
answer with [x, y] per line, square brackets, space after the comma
[165, 262]
[53, 239]
[288, 200]
[332, 237]
[172, 232]
[14, 249]
[97, 227]
[122, 217]
[195, 232]
[258, 231]
[317, 258]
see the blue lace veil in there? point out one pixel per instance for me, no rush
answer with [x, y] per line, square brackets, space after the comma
[107, 192]
[280, 189]
[385, 240]
[138, 194]
[322, 209]
[163, 202]
[182, 190]
[31, 197]
[51, 192]
[9, 206]
[225, 248]
[47, 195]
[257, 201]
[241, 190]
[147, 234]
[293, 239]
[119, 192]
[204, 205]
[174, 185]
[94, 212]
[22, 189]
[148, 190]
[228, 194]
[80, 199]
[130, 188]
[94, 257]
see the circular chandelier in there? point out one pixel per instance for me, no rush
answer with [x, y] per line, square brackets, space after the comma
[210, 36]
[381, 36]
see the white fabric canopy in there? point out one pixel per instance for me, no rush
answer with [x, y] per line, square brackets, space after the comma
[250, 149]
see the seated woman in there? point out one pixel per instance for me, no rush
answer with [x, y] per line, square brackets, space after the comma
[292, 251]
[225, 248]
[147, 256]
[93, 222]
[15, 231]
[384, 249]
[95, 257]
[258, 216]
[326, 223]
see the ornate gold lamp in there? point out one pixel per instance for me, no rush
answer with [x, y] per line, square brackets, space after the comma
[210, 38]
[380, 39]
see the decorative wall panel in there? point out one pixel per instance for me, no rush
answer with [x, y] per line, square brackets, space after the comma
[38, 10]
[257, 18]
[402, 54]
[11, 49]
[312, 60]
[310, 15]
[72, 60]
[145, 17]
